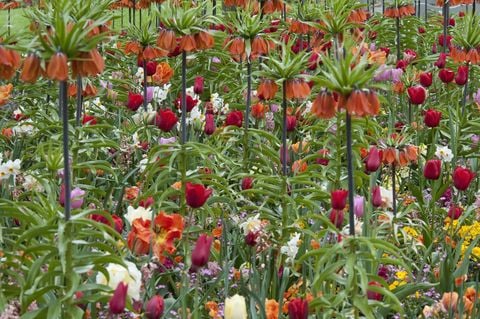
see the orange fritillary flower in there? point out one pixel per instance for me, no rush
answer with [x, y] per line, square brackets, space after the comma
[267, 89]
[237, 47]
[187, 43]
[5, 91]
[204, 40]
[297, 89]
[259, 46]
[324, 106]
[132, 47]
[163, 73]
[166, 40]
[57, 68]
[9, 62]
[389, 155]
[31, 69]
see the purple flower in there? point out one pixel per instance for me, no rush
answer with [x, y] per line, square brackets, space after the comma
[475, 139]
[476, 97]
[216, 60]
[274, 108]
[396, 75]
[358, 206]
[169, 140]
[77, 197]
[150, 90]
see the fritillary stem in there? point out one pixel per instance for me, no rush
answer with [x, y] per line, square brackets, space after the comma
[66, 164]
[351, 186]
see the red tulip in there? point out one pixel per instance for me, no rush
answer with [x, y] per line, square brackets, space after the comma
[196, 194]
[373, 161]
[338, 199]
[402, 64]
[247, 183]
[426, 79]
[117, 221]
[234, 118]
[462, 75]
[198, 85]
[441, 39]
[432, 169]
[461, 14]
[417, 94]
[89, 119]
[191, 102]
[298, 309]
[291, 123]
[151, 68]
[134, 101]
[441, 61]
[421, 30]
[454, 212]
[372, 295]
[117, 302]
[376, 196]
[210, 126]
[165, 119]
[154, 308]
[323, 158]
[251, 238]
[432, 118]
[446, 75]
[145, 203]
[337, 217]
[201, 252]
[462, 177]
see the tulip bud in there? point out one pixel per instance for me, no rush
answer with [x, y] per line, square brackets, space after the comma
[426, 79]
[291, 123]
[201, 252]
[165, 119]
[198, 85]
[338, 199]
[298, 309]
[134, 101]
[210, 126]
[89, 119]
[235, 308]
[117, 302]
[251, 238]
[446, 75]
[441, 61]
[372, 295]
[358, 206]
[323, 158]
[462, 178]
[432, 169]
[337, 217]
[432, 118]
[373, 161]
[247, 183]
[234, 118]
[462, 75]
[154, 308]
[196, 195]
[454, 212]
[376, 196]
[76, 197]
[417, 94]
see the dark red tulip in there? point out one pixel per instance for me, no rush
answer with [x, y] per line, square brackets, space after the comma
[323, 157]
[446, 75]
[432, 118]
[337, 217]
[247, 183]
[196, 194]
[117, 221]
[421, 30]
[462, 75]
[338, 199]
[234, 118]
[441, 38]
[313, 61]
[461, 14]
[198, 85]
[134, 101]
[154, 308]
[402, 64]
[386, 50]
[432, 169]
[372, 295]
[145, 203]
[417, 94]
[462, 177]
[298, 309]
[89, 119]
[210, 126]
[291, 123]
[426, 79]
[376, 196]
[454, 212]
[117, 302]
[191, 102]
[166, 119]
[201, 252]
[373, 160]
[151, 68]
[441, 61]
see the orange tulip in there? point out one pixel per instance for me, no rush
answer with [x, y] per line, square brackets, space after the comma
[31, 69]
[57, 68]
[5, 91]
[163, 73]
[187, 43]
[267, 89]
[258, 110]
[204, 40]
[324, 106]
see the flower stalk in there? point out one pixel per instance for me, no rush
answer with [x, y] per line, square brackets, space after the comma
[351, 219]
[284, 129]
[63, 104]
[79, 101]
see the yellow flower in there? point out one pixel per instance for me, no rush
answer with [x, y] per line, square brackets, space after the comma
[235, 307]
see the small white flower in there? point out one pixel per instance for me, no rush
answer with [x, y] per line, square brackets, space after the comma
[13, 167]
[140, 212]
[32, 184]
[291, 249]
[308, 108]
[143, 164]
[24, 128]
[131, 276]
[160, 93]
[387, 197]
[444, 153]
[195, 114]
[142, 116]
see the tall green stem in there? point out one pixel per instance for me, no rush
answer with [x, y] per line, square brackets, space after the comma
[394, 192]
[284, 129]
[397, 29]
[247, 115]
[465, 91]
[66, 159]
[351, 186]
